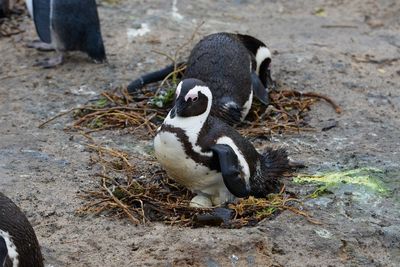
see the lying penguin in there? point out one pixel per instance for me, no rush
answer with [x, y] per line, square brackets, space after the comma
[67, 25]
[208, 156]
[18, 243]
[234, 66]
[5, 7]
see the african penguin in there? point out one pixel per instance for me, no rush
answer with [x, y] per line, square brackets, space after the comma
[208, 156]
[19, 246]
[29, 6]
[68, 25]
[234, 67]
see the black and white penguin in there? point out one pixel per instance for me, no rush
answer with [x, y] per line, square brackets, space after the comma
[67, 25]
[234, 66]
[5, 7]
[19, 246]
[208, 156]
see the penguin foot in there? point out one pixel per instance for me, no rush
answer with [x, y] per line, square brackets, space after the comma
[50, 62]
[216, 217]
[39, 45]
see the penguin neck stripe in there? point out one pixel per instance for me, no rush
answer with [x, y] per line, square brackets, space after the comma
[262, 54]
[192, 126]
[178, 89]
[195, 92]
[12, 249]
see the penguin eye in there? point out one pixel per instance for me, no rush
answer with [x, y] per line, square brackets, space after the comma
[194, 99]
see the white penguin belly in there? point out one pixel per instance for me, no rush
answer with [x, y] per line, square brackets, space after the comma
[180, 167]
[184, 170]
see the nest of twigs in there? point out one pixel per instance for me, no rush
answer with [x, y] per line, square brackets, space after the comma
[142, 114]
[138, 189]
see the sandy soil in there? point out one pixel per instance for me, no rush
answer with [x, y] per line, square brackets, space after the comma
[328, 52]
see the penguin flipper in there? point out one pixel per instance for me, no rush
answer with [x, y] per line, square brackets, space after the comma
[41, 17]
[230, 170]
[3, 251]
[228, 111]
[152, 77]
[259, 90]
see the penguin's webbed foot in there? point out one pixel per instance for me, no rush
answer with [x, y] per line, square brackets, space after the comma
[41, 46]
[216, 217]
[50, 62]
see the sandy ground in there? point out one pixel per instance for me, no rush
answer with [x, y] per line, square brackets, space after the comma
[348, 50]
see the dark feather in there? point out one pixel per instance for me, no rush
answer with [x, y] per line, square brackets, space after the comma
[273, 164]
[77, 26]
[3, 251]
[14, 222]
[41, 17]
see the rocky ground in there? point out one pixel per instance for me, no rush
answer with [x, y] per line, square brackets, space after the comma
[348, 50]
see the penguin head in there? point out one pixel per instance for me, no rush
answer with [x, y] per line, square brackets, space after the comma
[192, 98]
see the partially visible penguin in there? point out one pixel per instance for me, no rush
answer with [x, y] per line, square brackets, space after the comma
[233, 66]
[5, 7]
[19, 246]
[68, 25]
[29, 6]
[208, 156]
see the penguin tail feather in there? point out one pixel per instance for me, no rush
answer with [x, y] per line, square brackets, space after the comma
[275, 163]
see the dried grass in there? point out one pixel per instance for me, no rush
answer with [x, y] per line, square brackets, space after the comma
[136, 188]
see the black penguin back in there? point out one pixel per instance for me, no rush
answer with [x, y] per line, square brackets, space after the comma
[223, 63]
[77, 26]
[15, 223]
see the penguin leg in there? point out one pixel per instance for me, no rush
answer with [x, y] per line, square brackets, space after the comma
[41, 46]
[51, 62]
[230, 170]
[152, 77]
[260, 91]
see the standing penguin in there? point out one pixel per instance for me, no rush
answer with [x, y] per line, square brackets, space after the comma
[234, 66]
[19, 246]
[68, 25]
[208, 156]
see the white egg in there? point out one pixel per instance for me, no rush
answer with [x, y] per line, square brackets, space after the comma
[200, 201]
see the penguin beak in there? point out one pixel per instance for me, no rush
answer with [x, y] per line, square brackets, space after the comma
[180, 105]
[269, 83]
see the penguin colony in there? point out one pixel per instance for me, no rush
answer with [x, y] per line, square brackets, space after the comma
[196, 144]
